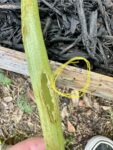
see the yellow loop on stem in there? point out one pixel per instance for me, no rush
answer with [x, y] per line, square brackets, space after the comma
[59, 71]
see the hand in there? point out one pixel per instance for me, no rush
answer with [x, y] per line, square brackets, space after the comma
[29, 144]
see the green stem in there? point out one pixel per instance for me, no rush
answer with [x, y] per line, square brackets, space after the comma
[41, 76]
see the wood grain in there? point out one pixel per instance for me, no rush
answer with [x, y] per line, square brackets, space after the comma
[71, 77]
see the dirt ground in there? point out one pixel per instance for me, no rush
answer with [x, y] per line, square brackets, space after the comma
[80, 120]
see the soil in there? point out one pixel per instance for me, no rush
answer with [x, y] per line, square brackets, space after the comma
[65, 36]
[81, 118]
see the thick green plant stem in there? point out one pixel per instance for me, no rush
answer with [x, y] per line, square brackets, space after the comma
[41, 76]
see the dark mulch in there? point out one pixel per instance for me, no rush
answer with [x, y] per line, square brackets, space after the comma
[70, 28]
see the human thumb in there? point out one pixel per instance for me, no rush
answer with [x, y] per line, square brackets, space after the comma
[29, 144]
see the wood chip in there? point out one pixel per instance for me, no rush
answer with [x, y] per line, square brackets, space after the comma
[87, 101]
[64, 112]
[75, 100]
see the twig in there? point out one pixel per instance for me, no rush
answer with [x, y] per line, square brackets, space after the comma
[10, 6]
[108, 69]
[110, 52]
[62, 39]
[85, 39]
[53, 8]
[102, 53]
[81, 14]
[72, 45]
[47, 25]
[107, 37]
[93, 24]
[104, 15]
[93, 30]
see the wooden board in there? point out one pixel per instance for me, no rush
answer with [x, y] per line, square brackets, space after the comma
[71, 77]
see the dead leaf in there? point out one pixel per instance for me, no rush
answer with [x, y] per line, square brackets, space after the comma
[70, 127]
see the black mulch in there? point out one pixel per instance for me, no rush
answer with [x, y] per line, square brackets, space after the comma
[70, 28]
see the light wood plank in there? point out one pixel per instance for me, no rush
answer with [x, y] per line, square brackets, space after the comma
[71, 77]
